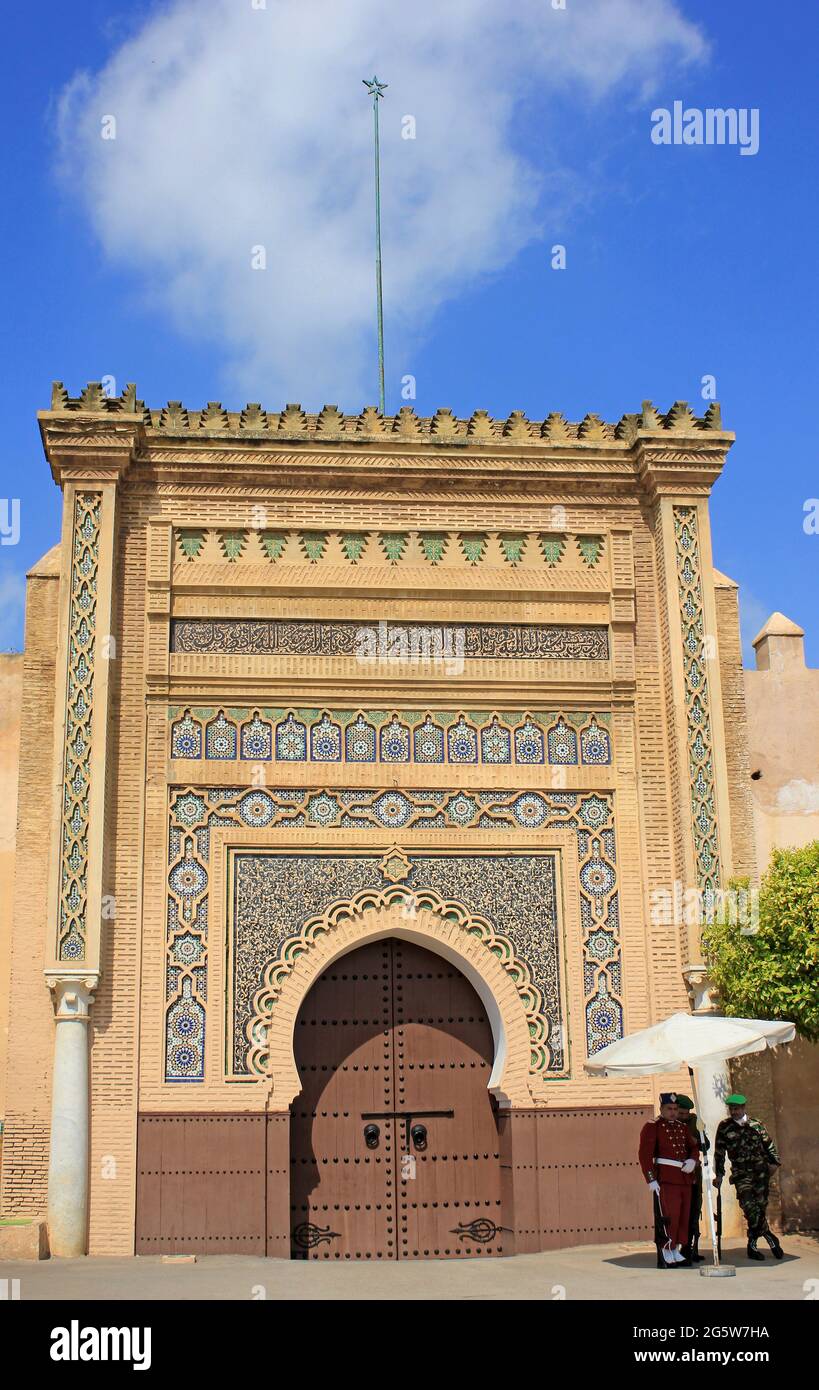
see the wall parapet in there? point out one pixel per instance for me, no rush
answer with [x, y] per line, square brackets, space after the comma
[441, 428]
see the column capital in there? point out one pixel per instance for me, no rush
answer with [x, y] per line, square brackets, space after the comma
[687, 466]
[72, 993]
[703, 995]
[92, 438]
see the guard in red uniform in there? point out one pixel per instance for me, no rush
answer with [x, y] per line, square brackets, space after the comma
[669, 1154]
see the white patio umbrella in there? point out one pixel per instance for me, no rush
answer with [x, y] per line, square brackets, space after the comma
[693, 1041]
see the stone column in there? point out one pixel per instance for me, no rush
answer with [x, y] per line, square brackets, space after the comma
[68, 1165]
[90, 444]
[679, 459]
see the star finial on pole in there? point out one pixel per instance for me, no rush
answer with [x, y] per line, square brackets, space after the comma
[374, 87]
[376, 90]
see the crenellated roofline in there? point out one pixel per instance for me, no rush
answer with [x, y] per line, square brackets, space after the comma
[293, 423]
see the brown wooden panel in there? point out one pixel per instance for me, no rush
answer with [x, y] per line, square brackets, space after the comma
[342, 1193]
[575, 1178]
[201, 1184]
[450, 1191]
[148, 1186]
[278, 1186]
[391, 1028]
[518, 1181]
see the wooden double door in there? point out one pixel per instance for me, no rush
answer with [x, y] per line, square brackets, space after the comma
[394, 1140]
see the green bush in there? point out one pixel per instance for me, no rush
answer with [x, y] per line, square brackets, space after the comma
[772, 969]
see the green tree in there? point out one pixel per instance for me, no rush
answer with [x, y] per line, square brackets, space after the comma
[769, 968]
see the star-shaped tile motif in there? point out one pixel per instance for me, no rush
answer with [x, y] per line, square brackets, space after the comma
[395, 865]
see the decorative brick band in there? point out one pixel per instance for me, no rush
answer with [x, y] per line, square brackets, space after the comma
[547, 549]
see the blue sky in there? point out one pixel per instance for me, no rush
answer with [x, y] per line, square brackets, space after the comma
[681, 261]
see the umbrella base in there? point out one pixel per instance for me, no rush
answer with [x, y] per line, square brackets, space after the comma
[717, 1271]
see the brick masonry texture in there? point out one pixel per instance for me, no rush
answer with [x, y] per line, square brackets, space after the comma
[31, 1033]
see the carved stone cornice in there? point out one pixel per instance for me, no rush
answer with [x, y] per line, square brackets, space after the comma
[95, 436]
[690, 466]
[72, 993]
[89, 448]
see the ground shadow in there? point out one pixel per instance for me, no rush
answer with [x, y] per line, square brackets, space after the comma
[647, 1259]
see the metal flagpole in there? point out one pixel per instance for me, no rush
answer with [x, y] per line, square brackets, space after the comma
[717, 1268]
[376, 90]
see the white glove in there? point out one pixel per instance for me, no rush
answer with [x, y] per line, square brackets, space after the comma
[689, 1165]
[654, 1187]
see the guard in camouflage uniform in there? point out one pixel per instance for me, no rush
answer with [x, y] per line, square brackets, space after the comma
[753, 1158]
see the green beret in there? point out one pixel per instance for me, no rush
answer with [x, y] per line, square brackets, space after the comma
[685, 1102]
[735, 1099]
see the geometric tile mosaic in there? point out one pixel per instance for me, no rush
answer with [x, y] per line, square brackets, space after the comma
[194, 811]
[276, 893]
[698, 709]
[82, 618]
[391, 736]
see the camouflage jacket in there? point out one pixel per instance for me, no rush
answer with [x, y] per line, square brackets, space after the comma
[748, 1146]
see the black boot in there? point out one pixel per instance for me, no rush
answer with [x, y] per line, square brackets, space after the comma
[778, 1252]
[753, 1253]
[693, 1252]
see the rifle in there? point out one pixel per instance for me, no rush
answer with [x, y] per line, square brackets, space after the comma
[658, 1212]
[719, 1222]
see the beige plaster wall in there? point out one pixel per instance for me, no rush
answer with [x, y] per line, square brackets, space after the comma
[782, 699]
[783, 742]
[11, 691]
[732, 676]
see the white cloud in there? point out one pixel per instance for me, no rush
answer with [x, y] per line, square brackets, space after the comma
[239, 126]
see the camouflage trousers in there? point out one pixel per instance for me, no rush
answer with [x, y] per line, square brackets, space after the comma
[752, 1186]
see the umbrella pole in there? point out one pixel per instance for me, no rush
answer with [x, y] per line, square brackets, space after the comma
[717, 1268]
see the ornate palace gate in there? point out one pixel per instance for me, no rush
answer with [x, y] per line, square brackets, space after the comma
[394, 1142]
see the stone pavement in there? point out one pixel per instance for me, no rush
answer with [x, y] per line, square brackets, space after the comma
[607, 1272]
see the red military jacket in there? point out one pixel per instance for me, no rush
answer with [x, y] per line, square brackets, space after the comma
[667, 1139]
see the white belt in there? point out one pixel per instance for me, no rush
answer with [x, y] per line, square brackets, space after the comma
[670, 1162]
